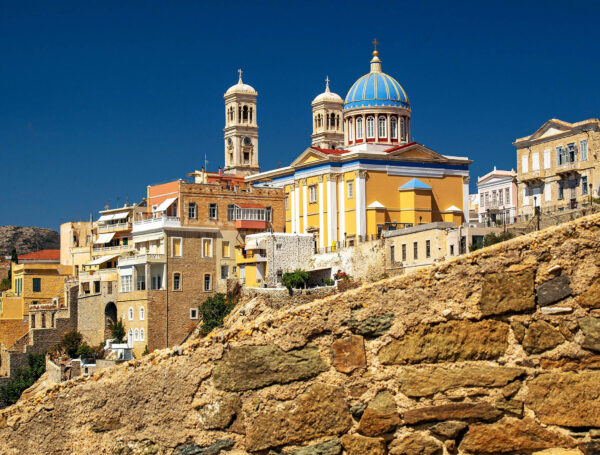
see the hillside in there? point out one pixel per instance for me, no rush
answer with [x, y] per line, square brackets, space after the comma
[27, 239]
[491, 353]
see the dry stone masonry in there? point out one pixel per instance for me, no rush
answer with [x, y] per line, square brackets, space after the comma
[497, 352]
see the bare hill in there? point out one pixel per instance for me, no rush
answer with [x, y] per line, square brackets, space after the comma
[27, 239]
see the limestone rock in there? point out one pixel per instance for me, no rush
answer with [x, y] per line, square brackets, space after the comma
[265, 365]
[507, 292]
[218, 415]
[591, 297]
[330, 447]
[558, 452]
[373, 326]
[568, 399]
[554, 290]
[518, 330]
[192, 449]
[450, 341]
[361, 445]
[320, 411]
[591, 329]
[448, 430]
[106, 424]
[425, 381]
[540, 337]
[381, 416]
[453, 411]
[590, 447]
[511, 435]
[349, 354]
[513, 406]
[416, 444]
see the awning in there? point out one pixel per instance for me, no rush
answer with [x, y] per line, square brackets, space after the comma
[148, 237]
[104, 238]
[102, 259]
[120, 216]
[105, 218]
[166, 204]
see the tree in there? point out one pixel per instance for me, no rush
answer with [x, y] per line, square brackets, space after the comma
[14, 259]
[23, 379]
[71, 342]
[117, 331]
[295, 280]
[85, 351]
[213, 311]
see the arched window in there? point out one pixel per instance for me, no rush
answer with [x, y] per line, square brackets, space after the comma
[316, 122]
[142, 313]
[332, 123]
[142, 335]
[370, 127]
[136, 335]
[350, 130]
[245, 114]
[130, 338]
[359, 128]
[239, 113]
[403, 128]
[250, 115]
[131, 313]
[394, 128]
[337, 122]
[382, 127]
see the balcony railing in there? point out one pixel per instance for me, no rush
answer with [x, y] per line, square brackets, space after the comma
[154, 223]
[141, 259]
[568, 167]
[112, 249]
[114, 227]
[533, 175]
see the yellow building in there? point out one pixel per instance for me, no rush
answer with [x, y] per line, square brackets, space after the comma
[558, 167]
[377, 178]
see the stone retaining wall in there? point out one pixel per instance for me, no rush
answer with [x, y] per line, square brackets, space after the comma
[497, 352]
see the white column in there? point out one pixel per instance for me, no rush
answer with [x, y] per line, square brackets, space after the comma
[361, 209]
[305, 205]
[292, 209]
[321, 221]
[331, 211]
[297, 206]
[466, 198]
[342, 213]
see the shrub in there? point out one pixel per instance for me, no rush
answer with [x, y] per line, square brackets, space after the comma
[328, 282]
[339, 275]
[213, 311]
[85, 351]
[117, 331]
[492, 239]
[71, 342]
[295, 280]
[23, 379]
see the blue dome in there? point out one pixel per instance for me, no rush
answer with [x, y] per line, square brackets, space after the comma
[376, 89]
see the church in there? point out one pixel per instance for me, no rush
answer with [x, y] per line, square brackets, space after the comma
[362, 173]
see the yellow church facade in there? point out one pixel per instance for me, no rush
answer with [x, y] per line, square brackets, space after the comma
[363, 174]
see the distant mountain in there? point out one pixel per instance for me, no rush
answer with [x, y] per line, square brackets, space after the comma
[27, 239]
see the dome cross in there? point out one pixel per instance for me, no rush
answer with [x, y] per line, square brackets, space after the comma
[327, 84]
[240, 73]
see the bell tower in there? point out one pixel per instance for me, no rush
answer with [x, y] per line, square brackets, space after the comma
[241, 129]
[328, 121]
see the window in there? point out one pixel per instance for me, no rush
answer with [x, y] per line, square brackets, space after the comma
[561, 191]
[192, 210]
[278, 246]
[287, 203]
[269, 214]
[403, 128]
[547, 159]
[37, 285]
[507, 194]
[481, 201]
[382, 124]
[225, 249]
[126, 283]
[524, 164]
[224, 272]
[394, 128]
[212, 211]
[359, 128]
[584, 185]
[525, 196]
[96, 287]
[547, 191]
[156, 282]
[230, 212]
[207, 282]
[350, 131]
[500, 197]
[415, 250]
[207, 250]
[428, 248]
[177, 281]
[176, 246]
[571, 153]
[392, 258]
[535, 161]
[142, 335]
[312, 194]
[560, 156]
[136, 335]
[583, 147]
[142, 313]
[130, 337]
[193, 313]
[487, 198]
[370, 127]
[404, 252]
[350, 189]
[451, 250]
[141, 283]
[130, 313]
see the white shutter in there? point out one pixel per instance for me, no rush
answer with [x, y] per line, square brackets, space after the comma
[525, 196]
[548, 190]
[524, 167]
[547, 159]
[535, 161]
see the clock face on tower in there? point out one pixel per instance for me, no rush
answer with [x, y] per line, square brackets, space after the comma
[247, 141]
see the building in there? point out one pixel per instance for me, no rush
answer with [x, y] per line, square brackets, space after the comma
[473, 208]
[497, 196]
[76, 240]
[557, 166]
[264, 258]
[343, 193]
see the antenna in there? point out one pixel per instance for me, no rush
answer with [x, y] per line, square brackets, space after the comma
[205, 163]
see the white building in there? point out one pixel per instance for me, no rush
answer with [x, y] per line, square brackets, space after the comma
[497, 193]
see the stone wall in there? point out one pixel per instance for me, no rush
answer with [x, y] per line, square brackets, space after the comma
[496, 352]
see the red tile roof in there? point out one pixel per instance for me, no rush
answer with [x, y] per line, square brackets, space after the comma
[42, 255]
[250, 206]
[399, 147]
[330, 151]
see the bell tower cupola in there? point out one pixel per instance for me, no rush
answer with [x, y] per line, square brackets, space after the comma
[328, 129]
[241, 129]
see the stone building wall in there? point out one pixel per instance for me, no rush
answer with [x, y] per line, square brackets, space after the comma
[495, 352]
[90, 319]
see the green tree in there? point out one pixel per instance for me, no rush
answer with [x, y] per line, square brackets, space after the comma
[213, 311]
[71, 342]
[295, 280]
[117, 331]
[492, 239]
[85, 351]
[14, 259]
[23, 379]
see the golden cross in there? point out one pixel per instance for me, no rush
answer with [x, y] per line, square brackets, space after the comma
[375, 43]
[240, 73]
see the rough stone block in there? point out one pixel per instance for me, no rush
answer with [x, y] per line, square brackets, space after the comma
[330, 447]
[219, 414]
[591, 297]
[381, 416]
[554, 290]
[448, 430]
[591, 329]
[362, 445]
[450, 341]
[373, 326]
[540, 337]
[349, 354]
[416, 444]
[507, 292]
[454, 411]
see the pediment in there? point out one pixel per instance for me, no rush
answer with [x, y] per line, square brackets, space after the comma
[309, 156]
[417, 152]
[551, 128]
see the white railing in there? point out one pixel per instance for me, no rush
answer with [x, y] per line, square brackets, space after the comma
[114, 227]
[141, 259]
[153, 223]
[110, 249]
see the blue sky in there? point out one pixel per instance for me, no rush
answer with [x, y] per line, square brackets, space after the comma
[98, 99]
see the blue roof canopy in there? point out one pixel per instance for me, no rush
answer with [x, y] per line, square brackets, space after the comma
[414, 184]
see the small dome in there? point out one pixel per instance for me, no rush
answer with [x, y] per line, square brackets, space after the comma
[240, 87]
[376, 89]
[327, 95]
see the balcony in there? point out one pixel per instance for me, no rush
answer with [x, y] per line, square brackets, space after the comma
[260, 225]
[142, 259]
[112, 249]
[530, 177]
[151, 224]
[114, 227]
[569, 168]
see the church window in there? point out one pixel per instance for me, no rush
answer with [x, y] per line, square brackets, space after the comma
[394, 128]
[370, 127]
[312, 194]
[332, 122]
[350, 189]
[327, 120]
[136, 335]
[239, 113]
[337, 122]
[131, 313]
[382, 127]
[246, 157]
[350, 130]
[130, 337]
[359, 128]
[142, 335]
[245, 114]
[403, 128]
[142, 313]
[250, 115]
